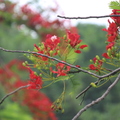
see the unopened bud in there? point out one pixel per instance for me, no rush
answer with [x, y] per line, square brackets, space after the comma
[40, 75]
[91, 60]
[24, 64]
[97, 57]
[104, 60]
[93, 85]
[51, 52]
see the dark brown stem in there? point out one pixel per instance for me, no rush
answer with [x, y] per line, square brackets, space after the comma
[12, 93]
[88, 17]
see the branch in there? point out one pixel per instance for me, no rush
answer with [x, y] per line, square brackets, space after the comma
[72, 66]
[98, 99]
[84, 91]
[88, 17]
[12, 93]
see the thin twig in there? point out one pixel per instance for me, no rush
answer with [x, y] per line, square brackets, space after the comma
[2, 100]
[82, 98]
[88, 17]
[84, 91]
[72, 66]
[98, 99]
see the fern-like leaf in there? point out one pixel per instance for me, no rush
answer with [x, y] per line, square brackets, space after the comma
[114, 5]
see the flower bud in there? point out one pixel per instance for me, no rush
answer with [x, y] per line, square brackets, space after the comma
[97, 57]
[35, 73]
[93, 85]
[104, 60]
[24, 64]
[109, 50]
[51, 52]
[91, 60]
[40, 75]
[113, 48]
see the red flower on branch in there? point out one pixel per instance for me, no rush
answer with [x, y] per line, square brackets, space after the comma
[35, 81]
[116, 19]
[51, 42]
[92, 67]
[62, 69]
[105, 55]
[110, 45]
[112, 31]
[36, 20]
[96, 66]
[83, 46]
[74, 38]
[77, 51]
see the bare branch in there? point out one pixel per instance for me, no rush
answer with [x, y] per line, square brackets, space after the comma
[98, 99]
[88, 17]
[72, 66]
[84, 91]
[28, 52]
[12, 93]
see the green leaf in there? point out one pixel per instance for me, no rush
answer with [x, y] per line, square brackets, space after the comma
[114, 5]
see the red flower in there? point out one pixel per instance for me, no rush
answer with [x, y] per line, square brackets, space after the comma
[77, 66]
[25, 9]
[35, 81]
[96, 67]
[110, 45]
[116, 19]
[35, 19]
[83, 46]
[111, 29]
[105, 55]
[74, 38]
[112, 37]
[51, 41]
[92, 67]
[62, 69]
[77, 51]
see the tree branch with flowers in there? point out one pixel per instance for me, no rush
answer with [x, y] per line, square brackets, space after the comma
[54, 60]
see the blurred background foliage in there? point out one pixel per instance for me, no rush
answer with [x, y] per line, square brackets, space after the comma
[17, 35]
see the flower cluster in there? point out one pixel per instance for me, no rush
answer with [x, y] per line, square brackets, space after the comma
[97, 64]
[37, 102]
[35, 81]
[62, 69]
[53, 46]
[75, 42]
[113, 35]
[50, 47]
[49, 70]
[112, 41]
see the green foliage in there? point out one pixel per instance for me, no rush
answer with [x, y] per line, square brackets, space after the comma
[14, 39]
[110, 113]
[114, 5]
[94, 37]
[13, 111]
